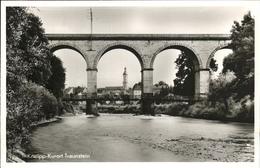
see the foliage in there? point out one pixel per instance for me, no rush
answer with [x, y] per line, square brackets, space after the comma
[244, 109]
[173, 109]
[221, 89]
[49, 104]
[26, 47]
[165, 89]
[56, 82]
[204, 110]
[161, 84]
[184, 83]
[28, 70]
[241, 61]
[213, 65]
[26, 107]
[115, 109]
[231, 95]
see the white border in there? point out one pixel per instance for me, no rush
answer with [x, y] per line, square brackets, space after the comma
[255, 5]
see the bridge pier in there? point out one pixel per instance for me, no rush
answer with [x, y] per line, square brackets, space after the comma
[91, 105]
[147, 91]
[202, 80]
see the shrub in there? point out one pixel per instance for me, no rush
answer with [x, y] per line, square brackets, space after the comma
[22, 111]
[160, 109]
[243, 110]
[176, 109]
[25, 107]
[67, 108]
[205, 110]
[48, 102]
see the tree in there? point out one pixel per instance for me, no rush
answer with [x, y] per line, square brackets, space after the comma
[241, 61]
[26, 48]
[184, 83]
[161, 84]
[56, 82]
[27, 59]
[213, 65]
[164, 89]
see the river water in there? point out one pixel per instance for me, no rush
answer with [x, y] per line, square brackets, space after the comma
[124, 137]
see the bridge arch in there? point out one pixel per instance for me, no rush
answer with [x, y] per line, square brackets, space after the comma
[220, 47]
[113, 46]
[179, 46]
[64, 45]
[197, 63]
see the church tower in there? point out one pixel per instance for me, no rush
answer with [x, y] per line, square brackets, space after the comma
[125, 80]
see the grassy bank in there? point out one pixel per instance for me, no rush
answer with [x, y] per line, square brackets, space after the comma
[229, 110]
[240, 111]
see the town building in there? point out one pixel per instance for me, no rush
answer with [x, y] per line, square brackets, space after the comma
[137, 91]
[75, 92]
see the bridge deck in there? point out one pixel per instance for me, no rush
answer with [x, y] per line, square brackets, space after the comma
[138, 36]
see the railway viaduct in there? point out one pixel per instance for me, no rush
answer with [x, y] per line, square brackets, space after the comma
[201, 47]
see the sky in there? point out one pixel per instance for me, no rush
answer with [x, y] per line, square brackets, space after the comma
[134, 20]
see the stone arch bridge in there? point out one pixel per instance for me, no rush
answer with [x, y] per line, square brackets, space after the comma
[145, 47]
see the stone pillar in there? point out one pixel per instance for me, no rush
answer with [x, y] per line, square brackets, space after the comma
[91, 107]
[202, 79]
[147, 91]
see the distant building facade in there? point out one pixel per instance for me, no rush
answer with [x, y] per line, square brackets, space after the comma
[75, 92]
[137, 91]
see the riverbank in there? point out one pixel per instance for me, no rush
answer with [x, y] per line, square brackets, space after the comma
[19, 154]
[199, 110]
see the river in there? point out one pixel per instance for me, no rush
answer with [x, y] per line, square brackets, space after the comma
[124, 137]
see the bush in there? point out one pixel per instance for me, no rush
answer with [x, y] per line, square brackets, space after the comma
[132, 109]
[243, 110]
[25, 107]
[176, 109]
[48, 102]
[22, 111]
[205, 110]
[160, 109]
[67, 108]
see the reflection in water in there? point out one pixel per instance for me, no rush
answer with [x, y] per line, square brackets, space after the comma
[125, 137]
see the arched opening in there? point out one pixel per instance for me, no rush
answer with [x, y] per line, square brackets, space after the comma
[115, 47]
[218, 56]
[171, 77]
[118, 71]
[165, 66]
[75, 71]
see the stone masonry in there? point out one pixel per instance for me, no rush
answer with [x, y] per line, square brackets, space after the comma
[145, 47]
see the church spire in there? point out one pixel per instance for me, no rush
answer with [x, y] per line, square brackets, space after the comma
[125, 73]
[125, 79]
